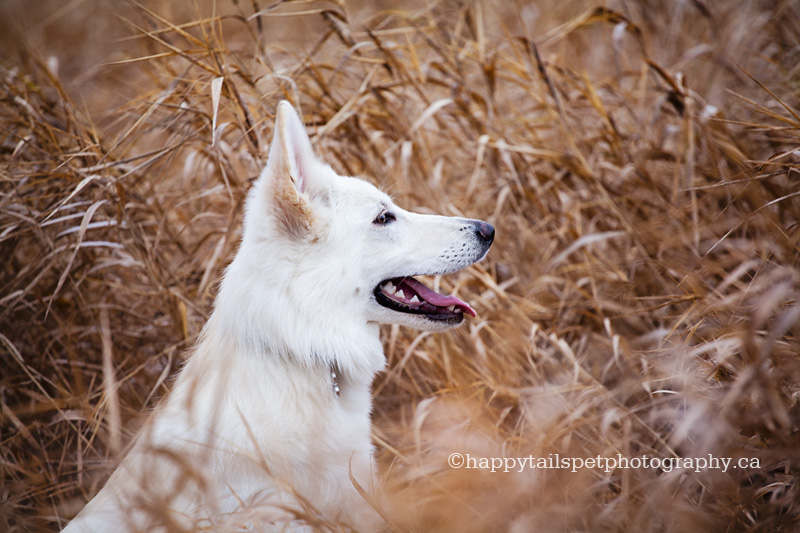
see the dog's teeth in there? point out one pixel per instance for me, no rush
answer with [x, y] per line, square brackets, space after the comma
[451, 308]
[414, 299]
[388, 287]
[400, 294]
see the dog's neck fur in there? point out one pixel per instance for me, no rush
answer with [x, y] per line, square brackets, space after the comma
[276, 325]
[270, 376]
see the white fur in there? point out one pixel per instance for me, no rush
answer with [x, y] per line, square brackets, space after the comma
[253, 421]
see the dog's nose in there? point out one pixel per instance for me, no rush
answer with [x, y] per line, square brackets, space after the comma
[485, 231]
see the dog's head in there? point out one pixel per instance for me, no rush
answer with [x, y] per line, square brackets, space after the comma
[343, 247]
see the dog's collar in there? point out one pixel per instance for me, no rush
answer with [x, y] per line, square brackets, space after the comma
[335, 379]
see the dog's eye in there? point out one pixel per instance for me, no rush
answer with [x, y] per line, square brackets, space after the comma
[384, 218]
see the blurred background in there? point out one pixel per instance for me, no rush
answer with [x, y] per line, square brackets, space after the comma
[639, 160]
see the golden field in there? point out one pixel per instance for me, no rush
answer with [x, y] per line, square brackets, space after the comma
[640, 161]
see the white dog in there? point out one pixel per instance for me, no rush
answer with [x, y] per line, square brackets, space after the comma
[271, 414]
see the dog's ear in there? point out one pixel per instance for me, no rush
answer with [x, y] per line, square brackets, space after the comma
[291, 166]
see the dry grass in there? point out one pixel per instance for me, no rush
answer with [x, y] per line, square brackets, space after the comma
[640, 163]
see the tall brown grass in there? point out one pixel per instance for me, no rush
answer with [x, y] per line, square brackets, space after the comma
[639, 160]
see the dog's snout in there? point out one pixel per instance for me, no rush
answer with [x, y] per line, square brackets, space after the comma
[485, 231]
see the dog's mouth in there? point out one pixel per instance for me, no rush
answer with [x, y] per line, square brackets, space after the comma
[407, 295]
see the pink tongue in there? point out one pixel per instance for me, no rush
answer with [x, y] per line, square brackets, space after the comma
[439, 300]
